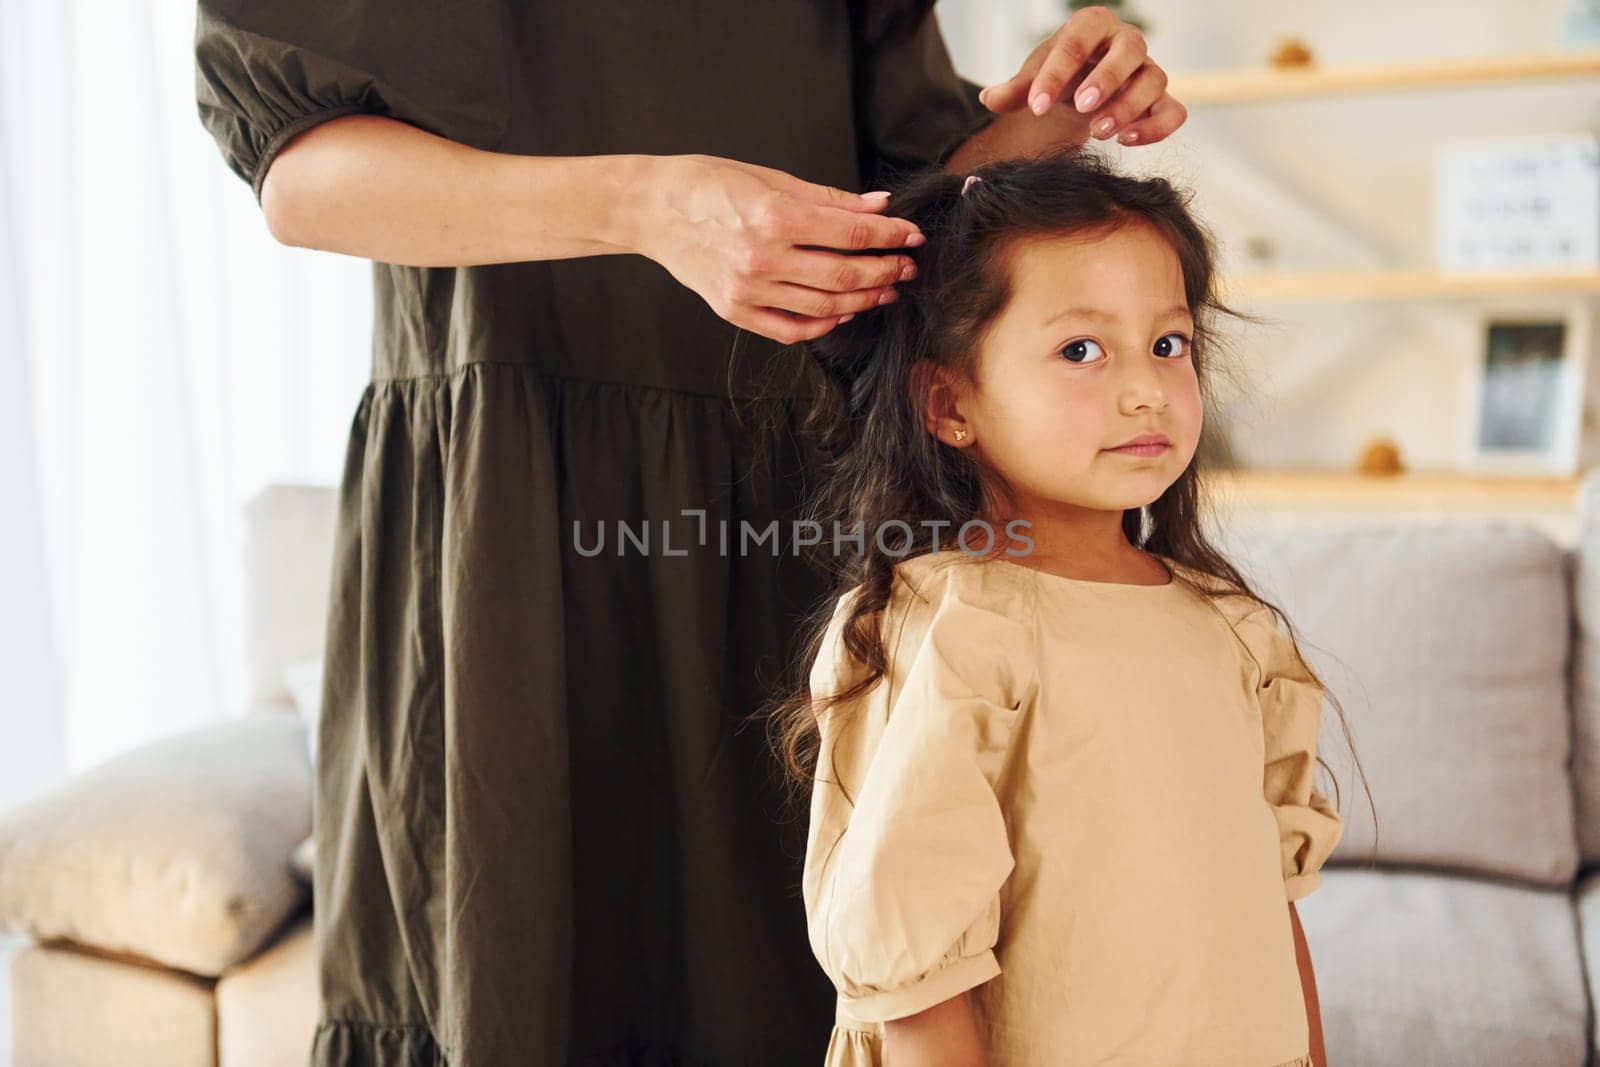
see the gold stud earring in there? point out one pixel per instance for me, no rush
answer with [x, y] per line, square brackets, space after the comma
[961, 435]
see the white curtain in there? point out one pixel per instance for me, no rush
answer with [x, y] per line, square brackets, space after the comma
[163, 359]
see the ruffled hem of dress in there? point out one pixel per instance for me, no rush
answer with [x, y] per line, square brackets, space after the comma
[850, 1047]
[358, 1044]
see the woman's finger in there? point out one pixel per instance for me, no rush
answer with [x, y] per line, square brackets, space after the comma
[1165, 116]
[1075, 45]
[781, 326]
[831, 196]
[827, 195]
[802, 222]
[1136, 96]
[1125, 53]
[1012, 93]
[821, 303]
[834, 273]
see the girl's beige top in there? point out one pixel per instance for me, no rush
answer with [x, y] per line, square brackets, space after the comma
[1087, 802]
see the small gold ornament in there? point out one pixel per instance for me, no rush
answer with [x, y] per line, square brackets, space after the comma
[961, 435]
[1380, 457]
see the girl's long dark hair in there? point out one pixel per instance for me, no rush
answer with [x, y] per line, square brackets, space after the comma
[878, 461]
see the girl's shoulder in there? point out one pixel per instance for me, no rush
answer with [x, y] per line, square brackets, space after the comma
[949, 589]
[981, 620]
[1258, 632]
[954, 574]
[1232, 602]
[923, 584]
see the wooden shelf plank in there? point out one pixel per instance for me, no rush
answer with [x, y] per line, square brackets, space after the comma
[1409, 285]
[1267, 83]
[1420, 488]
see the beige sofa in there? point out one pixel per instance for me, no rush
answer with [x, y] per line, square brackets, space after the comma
[173, 930]
[169, 924]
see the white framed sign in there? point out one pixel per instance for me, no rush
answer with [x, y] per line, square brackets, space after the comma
[1528, 397]
[1527, 202]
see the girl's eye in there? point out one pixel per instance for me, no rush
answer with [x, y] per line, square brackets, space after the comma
[1075, 350]
[1167, 349]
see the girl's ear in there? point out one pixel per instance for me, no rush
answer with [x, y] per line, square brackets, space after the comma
[936, 393]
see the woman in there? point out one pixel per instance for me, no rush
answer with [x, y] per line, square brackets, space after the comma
[544, 831]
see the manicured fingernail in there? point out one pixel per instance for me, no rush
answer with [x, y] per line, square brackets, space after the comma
[1129, 136]
[1087, 97]
[845, 318]
[1105, 126]
[878, 195]
[914, 240]
[888, 297]
[908, 272]
[983, 96]
[1041, 103]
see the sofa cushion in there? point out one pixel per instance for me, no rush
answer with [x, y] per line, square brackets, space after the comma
[177, 851]
[267, 1007]
[1416, 967]
[1447, 646]
[288, 559]
[72, 1006]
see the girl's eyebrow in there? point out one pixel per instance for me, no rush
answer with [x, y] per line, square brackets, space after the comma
[1176, 311]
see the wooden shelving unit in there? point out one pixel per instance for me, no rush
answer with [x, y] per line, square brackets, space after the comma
[1269, 84]
[1408, 285]
[1318, 496]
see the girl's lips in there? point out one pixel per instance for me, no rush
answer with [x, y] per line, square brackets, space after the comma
[1140, 450]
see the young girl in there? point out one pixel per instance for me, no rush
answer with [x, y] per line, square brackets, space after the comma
[1062, 801]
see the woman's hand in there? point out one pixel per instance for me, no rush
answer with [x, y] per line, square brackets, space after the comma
[1125, 92]
[767, 250]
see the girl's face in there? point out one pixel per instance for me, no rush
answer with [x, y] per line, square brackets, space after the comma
[1093, 349]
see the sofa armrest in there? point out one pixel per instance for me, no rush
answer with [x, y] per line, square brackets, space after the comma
[176, 851]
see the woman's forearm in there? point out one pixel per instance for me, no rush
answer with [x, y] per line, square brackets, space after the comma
[381, 189]
[1019, 134]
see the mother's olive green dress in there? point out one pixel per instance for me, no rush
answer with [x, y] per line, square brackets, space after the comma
[543, 835]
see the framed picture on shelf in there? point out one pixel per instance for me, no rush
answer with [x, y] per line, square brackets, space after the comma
[1528, 396]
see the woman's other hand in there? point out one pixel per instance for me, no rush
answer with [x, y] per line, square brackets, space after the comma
[1102, 64]
[771, 253]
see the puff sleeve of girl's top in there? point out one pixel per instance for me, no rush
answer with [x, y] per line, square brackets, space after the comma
[1291, 712]
[908, 847]
[266, 72]
[914, 110]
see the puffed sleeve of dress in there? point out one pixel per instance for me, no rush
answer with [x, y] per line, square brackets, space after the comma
[914, 110]
[908, 845]
[266, 72]
[1291, 711]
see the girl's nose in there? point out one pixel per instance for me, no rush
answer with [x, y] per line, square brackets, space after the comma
[1141, 387]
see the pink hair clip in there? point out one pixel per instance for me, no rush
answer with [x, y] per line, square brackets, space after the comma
[971, 178]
